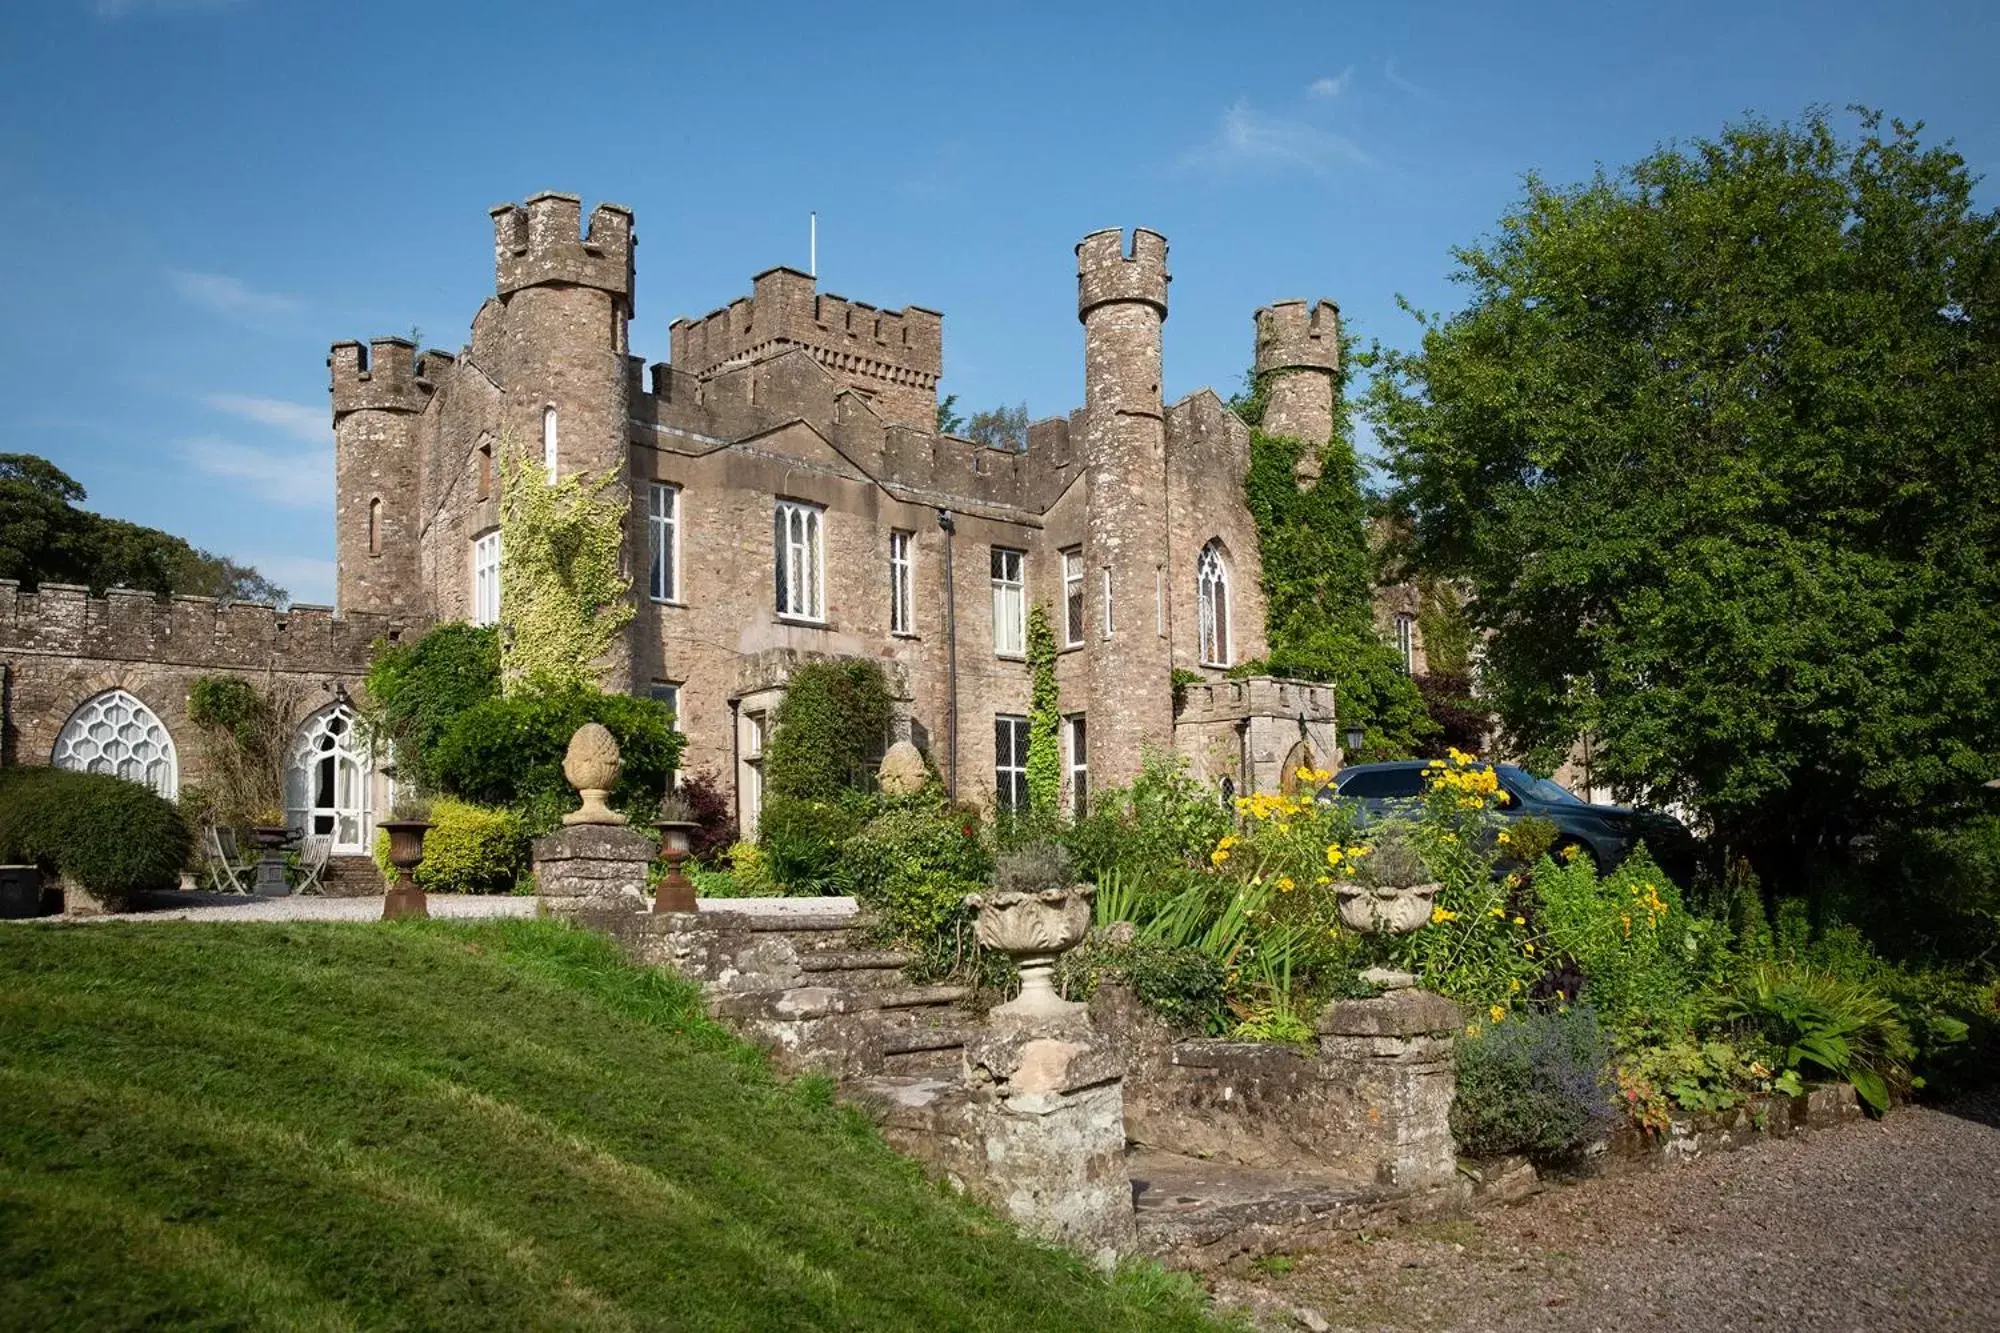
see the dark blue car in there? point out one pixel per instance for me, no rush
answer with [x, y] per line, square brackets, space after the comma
[1605, 833]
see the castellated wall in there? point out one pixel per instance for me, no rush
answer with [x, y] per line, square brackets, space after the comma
[60, 646]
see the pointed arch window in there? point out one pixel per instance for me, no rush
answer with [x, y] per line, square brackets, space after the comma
[326, 782]
[114, 732]
[549, 441]
[1212, 605]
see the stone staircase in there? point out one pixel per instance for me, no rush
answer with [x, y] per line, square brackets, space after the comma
[795, 976]
[351, 877]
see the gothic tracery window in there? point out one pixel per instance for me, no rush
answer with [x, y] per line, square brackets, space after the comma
[1212, 605]
[115, 733]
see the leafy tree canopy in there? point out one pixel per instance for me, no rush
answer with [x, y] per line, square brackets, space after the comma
[1713, 444]
[44, 537]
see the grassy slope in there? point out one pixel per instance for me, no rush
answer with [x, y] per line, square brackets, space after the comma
[453, 1126]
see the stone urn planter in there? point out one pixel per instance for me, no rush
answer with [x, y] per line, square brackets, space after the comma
[1373, 909]
[592, 765]
[406, 853]
[271, 840]
[1034, 928]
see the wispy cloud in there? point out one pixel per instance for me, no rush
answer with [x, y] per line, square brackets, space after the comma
[118, 9]
[307, 578]
[301, 420]
[293, 478]
[228, 296]
[1331, 85]
[1251, 140]
[1396, 80]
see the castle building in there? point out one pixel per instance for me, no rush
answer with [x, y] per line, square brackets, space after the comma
[789, 497]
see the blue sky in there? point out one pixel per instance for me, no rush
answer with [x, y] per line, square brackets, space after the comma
[198, 196]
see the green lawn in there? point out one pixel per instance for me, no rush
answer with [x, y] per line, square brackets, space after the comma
[438, 1126]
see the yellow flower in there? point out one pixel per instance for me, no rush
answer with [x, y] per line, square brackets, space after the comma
[1333, 854]
[1285, 884]
[1502, 838]
[1520, 921]
[1440, 915]
[1496, 911]
[1218, 856]
[1571, 852]
[1472, 1029]
[1514, 985]
[1528, 948]
[1497, 1012]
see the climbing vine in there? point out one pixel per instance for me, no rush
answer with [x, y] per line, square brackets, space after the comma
[1044, 716]
[563, 596]
[829, 730]
[1319, 579]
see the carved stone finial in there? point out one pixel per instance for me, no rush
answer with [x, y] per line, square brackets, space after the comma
[902, 772]
[592, 766]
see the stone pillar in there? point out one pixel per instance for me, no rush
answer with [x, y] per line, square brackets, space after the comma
[1050, 1111]
[1395, 1053]
[591, 868]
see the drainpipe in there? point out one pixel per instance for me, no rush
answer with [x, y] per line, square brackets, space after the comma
[736, 762]
[945, 525]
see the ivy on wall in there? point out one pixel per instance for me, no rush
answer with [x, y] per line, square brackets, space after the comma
[563, 595]
[828, 731]
[1044, 716]
[1319, 580]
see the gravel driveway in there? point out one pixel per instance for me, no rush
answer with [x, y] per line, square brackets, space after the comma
[1879, 1225]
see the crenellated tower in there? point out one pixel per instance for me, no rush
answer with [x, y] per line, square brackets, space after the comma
[566, 305]
[1298, 363]
[378, 397]
[1121, 297]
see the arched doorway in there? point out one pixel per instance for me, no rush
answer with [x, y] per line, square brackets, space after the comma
[114, 732]
[326, 781]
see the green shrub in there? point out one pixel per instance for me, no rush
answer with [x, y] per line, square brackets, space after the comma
[469, 849]
[115, 838]
[750, 872]
[1646, 961]
[912, 868]
[416, 691]
[1165, 819]
[1833, 1026]
[509, 752]
[1538, 1083]
[829, 731]
[1180, 983]
[801, 841]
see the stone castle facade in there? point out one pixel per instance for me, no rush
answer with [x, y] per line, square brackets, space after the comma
[789, 497]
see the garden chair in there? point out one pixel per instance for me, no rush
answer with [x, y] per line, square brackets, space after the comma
[223, 857]
[315, 850]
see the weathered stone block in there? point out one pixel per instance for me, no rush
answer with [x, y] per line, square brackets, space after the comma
[592, 866]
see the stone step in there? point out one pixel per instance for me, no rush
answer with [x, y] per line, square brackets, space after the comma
[351, 877]
[1194, 1213]
[798, 1003]
[922, 1049]
[855, 969]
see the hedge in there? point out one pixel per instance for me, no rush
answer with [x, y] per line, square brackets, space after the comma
[469, 849]
[115, 838]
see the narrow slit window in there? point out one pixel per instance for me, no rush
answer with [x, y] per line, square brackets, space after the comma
[375, 526]
[549, 442]
[1072, 562]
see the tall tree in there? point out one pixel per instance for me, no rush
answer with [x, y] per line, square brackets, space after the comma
[1714, 442]
[44, 537]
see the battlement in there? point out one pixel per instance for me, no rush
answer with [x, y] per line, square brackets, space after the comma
[1108, 272]
[1291, 337]
[785, 308]
[542, 242]
[893, 356]
[383, 376]
[64, 620]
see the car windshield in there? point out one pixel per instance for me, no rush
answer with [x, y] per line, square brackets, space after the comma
[1541, 789]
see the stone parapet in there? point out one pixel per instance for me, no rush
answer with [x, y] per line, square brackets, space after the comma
[1256, 731]
[591, 868]
[538, 243]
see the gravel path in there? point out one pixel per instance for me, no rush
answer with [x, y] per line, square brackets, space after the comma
[1879, 1225]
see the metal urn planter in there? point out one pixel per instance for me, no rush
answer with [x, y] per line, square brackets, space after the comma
[406, 853]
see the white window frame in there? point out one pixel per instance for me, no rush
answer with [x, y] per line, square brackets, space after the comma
[550, 453]
[1072, 567]
[1009, 571]
[1077, 736]
[1212, 609]
[486, 578]
[663, 530]
[1406, 641]
[902, 582]
[116, 732]
[668, 692]
[1010, 779]
[798, 539]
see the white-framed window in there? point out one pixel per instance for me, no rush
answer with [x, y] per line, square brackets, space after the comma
[1110, 621]
[549, 441]
[1010, 761]
[1079, 767]
[799, 541]
[486, 578]
[668, 693]
[1010, 602]
[116, 733]
[1212, 605]
[1406, 641]
[902, 583]
[1072, 566]
[663, 529]
[327, 781]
